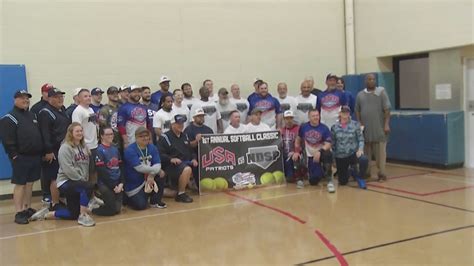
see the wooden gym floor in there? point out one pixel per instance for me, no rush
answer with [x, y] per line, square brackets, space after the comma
[420, 216]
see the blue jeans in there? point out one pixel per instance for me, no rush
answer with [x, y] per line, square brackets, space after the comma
[357, 165]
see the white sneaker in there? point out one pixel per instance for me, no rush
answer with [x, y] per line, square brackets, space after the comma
[300, 184]
[40, 214]
[95, 203]
[331, 188]
[85, 220]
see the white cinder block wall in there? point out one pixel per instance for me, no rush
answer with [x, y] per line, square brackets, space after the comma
[73, 43]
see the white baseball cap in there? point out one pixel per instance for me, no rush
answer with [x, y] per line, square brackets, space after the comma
[78, 90]
[198, 111]
[288, 113]
[134, 87]
[164, 79]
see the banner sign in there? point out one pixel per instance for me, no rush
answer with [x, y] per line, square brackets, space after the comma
[238, 161]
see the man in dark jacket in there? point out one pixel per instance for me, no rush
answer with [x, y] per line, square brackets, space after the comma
[22, 141]
[177, 157]
[44, 99]
[53, 123]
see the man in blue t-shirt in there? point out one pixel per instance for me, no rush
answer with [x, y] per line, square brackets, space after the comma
[164, 89]
[330, 101]
[270, 106]
[316, 139]
[143, 176]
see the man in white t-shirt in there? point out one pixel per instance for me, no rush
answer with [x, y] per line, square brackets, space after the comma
[84, 115]
[212, 118]
[178, 106]
[286, 102]
[224, 106]
[306, 101]
[241, 103]
[255, 124]
[188, 99]
[162, 118]
[235, 127]
[210, 86]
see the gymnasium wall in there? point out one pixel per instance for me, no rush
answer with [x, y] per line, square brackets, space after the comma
[73, 43]
[394, 27]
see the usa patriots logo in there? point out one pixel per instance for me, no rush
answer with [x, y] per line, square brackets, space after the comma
[264, 105]
[138, 114]
[313, 137]
[330, 102]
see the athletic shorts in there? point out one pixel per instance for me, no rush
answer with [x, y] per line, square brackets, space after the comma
[26, 169]
[173, 172]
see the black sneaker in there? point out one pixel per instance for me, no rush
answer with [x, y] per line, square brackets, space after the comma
[29, 212]
[159, 205]
[183, 198]
[21, 217]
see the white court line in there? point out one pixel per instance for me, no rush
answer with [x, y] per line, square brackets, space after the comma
[238, 201]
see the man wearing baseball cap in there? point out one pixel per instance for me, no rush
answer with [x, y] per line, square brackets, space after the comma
[22, 141]
[330, 101]
[124, 92]
[53, 123]
[96, 104]
[108, 115]
[255, 124]
[289, 132]
[348, 148]
[144, 179]
[195, 130]
[44, 98]
[224, 106]
[178, 158]
[165, 87]
[131, 116]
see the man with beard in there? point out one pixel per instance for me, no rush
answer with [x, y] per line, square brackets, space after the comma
[270, 107]
[224, 106]
[286, 102]
[306, 101]
[254, 94]
[131, 116]
[189, 99]
[151, 108]
[108, 115]
[194, 132]
[241, 103]
[165, 87]
[213, 117]
[162, 118]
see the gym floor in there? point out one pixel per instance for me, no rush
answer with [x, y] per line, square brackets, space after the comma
[420, 216]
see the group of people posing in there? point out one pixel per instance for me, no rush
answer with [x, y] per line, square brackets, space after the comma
[142, 146]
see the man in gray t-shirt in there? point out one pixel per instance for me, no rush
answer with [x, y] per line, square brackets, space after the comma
[373, 112]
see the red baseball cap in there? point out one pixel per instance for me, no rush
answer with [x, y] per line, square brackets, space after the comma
[46, 87]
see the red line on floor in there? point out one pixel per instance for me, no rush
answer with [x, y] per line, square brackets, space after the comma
[421, 194]
[447, 190]
[287, 214]
[409, 175]
[332, 248]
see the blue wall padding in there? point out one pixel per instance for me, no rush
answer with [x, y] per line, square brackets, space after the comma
[356, 83]
[427, 137]
[12, 78]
